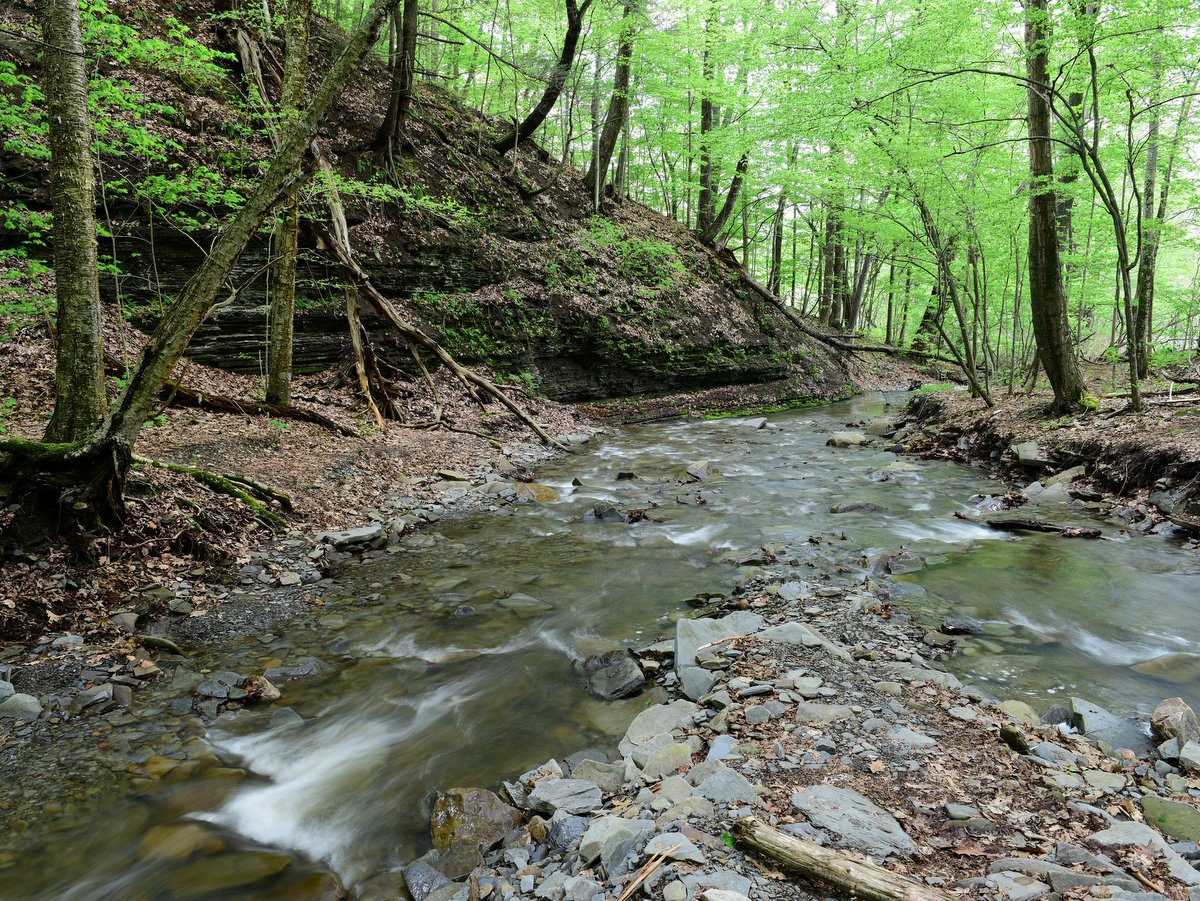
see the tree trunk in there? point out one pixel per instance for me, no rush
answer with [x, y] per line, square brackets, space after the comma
[554, 86]
[618, 105]
[93, 474]
[775, 278]
[1047, 302]
[287, 233]
[735, 189]
[79, 362]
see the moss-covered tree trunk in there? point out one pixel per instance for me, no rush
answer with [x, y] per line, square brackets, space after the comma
[1047, 300]
[92, 473]
[79, 364]
[287, 233]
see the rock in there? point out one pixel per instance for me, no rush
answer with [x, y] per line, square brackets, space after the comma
[716, 894]
[6, 690]
[1028, 453]
[178, 842]
[1063, 879]
[565, 831]
[1014, 738]
[1065, 477]
[423, 880]
[675, 846]
[352, 538]
[1052, 753]
[472, 816]
[667, 760]
[846, 439]
[1178, 820]
[1099, 725]
[610, 839]
[855, 820]
[524, 605]
[675, 891]
[1021, 712]
[910, 738]
[723, 747]
[215, 875]
[804, 635]
[619, 676]
[758, 422]
[259, 690]
[126, 621]
[289, 578]
[883, 427]
[1011, 886]
[1179, 668]
[856, 507]
[570, 795]
[704, 469]
[1110, 783]
[815, 712]
[692, 634]
[1189, 754]
[20, 706]
[757, 715]
[904, 562]
[609, 776]
[726, 786]
[961, 626]
[794, 591]
[219, 685]
[720, 880]
[1124, 834]
[656, 720]
[1174, 719]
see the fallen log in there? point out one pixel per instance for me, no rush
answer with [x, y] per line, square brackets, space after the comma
[845, 873]
[176, 395]
[1037, 525]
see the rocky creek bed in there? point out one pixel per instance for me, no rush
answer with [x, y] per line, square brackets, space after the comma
[806, 698]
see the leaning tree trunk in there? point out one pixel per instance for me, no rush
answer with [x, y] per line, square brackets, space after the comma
[554, 86]
[287, 233]
[93, 473]
[79, 364]
[735, 189]
[618, 106]
[1047, 301]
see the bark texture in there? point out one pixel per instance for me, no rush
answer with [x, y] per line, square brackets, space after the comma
[1047, 300]
[79, 365]
[618, 104]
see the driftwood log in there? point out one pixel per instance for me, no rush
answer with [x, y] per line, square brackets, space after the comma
[1037, 525]
[845, 873]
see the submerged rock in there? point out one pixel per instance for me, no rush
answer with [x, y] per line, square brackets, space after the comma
[1179, 668]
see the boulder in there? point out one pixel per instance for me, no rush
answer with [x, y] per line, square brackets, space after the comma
[692, 634]
[1189, 758]
[1179, 820]
[618, 676]
[855, 820]
[674, 846]
[1179, 669]
[1173, 718]
[472, 816]
[726, 786]
[571, 795]
[20, 706]
[846, 439]
[609, 776]
[655, 721]
[1028, 453]
[1099, 725]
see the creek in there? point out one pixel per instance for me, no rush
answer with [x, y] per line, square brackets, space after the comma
[449, 663]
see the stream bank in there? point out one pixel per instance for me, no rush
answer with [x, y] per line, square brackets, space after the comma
[363, 636]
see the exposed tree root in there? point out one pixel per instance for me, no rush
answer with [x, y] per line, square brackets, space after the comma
[177, 395]
[251, 493]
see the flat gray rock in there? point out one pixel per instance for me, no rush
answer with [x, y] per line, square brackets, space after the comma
[806, 636]
[352, 537]
[570, 795]
[610, 840]
[609, 776]
[692, 634]
[674, 846]
[1120, 835]
[1099, 725]
[654, 721]
[910, 738]
[726, 786]
[422, 880]
[815, 712]
[856, 821]
[911, 673]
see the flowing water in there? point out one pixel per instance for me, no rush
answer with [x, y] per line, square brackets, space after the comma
[451, 664]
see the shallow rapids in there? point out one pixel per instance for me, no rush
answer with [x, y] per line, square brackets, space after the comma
[451, 664]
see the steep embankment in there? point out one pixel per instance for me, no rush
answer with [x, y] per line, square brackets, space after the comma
[502, 258]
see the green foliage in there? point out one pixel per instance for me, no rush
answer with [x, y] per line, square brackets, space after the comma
[651, 262]
[23, 301]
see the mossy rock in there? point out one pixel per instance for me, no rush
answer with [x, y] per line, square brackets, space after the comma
[471, 816]
[1177, 819]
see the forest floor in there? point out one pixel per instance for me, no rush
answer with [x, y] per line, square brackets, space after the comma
[183, 544]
